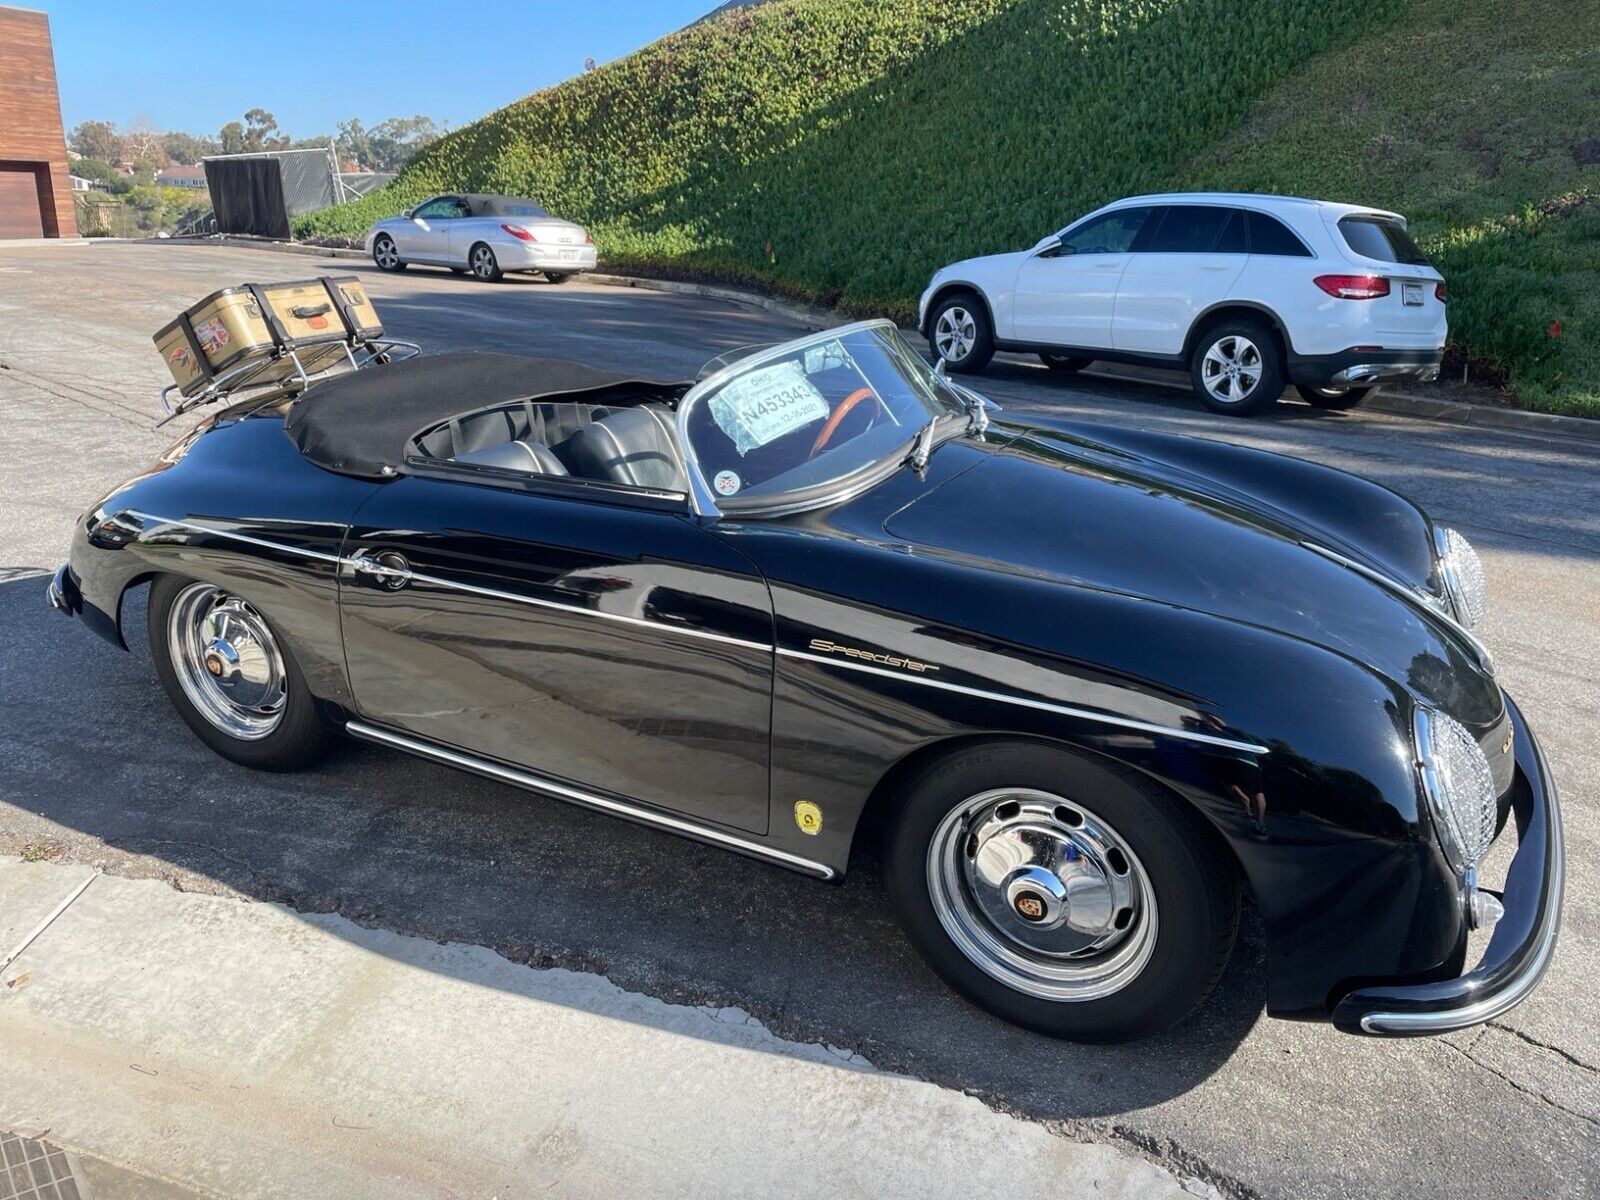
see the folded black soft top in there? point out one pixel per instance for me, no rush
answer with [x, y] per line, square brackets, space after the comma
[360, 423]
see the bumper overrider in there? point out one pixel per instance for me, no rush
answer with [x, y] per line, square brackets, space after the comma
[1523, 942]
[63, 592]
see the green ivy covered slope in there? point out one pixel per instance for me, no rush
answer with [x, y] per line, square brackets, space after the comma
[840, 150]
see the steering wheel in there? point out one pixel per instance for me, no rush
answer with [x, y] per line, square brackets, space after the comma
[839, 414]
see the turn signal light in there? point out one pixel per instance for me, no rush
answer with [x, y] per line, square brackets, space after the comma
[520, 233]
[1353, 287]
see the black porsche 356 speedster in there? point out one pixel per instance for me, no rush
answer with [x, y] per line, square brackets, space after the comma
[1092, 683]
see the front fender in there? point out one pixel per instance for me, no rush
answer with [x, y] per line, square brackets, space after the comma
[1322, 815]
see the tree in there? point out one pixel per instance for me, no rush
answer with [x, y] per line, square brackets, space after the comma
[96, 140]
[353, 144]
[186, 148]
[394, 141]
[231, 136]
[259, 126]
[142, 144]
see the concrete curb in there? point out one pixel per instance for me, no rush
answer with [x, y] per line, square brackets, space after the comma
[1402, 404]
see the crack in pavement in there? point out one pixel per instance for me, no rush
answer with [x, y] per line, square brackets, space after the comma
[1523, 1088]
[1556, 1050]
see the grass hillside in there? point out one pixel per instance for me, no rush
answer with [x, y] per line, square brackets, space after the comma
[842, 149]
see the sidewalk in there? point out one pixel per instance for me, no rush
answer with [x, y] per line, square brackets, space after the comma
[244, 1050]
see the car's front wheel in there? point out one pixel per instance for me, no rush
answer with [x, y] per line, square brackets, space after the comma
[961, 334]
[484, 264]
[1061, 894]
[386, 254]
[1335, 399]
[231, 677]
[1237, 368]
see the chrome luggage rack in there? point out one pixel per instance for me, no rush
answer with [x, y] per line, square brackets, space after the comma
[376, 352]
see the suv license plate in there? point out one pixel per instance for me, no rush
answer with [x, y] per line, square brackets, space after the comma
[1411, 294]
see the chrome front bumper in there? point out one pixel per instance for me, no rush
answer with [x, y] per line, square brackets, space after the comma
[1523, 942]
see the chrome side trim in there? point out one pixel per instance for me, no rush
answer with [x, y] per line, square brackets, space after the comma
[1065, 710]
[723, 639]
[318, 555]
[556, 605]
[359, 562]
[564, 791]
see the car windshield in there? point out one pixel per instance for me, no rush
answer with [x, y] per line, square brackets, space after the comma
[799, 420]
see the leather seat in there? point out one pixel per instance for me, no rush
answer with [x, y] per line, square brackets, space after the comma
[533, 457]
[633, 446]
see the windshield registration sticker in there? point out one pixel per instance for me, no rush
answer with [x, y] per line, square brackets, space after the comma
[766, 404]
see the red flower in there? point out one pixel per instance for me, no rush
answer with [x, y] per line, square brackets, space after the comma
[1555, 329]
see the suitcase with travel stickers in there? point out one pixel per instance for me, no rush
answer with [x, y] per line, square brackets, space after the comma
[302, 327]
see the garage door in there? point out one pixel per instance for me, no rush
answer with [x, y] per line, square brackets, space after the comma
[19, 203]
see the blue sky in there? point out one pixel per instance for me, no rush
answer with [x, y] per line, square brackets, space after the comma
[195, 66]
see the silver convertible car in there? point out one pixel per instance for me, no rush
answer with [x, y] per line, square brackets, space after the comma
[487, 235]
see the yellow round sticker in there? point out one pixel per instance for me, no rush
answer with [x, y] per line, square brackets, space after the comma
[808, 816]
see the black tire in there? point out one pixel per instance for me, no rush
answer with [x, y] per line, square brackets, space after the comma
[1229, 340]
[483, 264]
[1189, 928]
[961, 321]
[558, 276]
[1335, 399]
[386, 254]
[299, 737]
[1063, 364]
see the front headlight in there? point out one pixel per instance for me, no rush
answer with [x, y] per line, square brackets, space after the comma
[1459, 786]
[1462, 572]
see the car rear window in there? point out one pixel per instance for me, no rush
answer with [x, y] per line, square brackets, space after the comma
[1381, 238]
[1268, 235]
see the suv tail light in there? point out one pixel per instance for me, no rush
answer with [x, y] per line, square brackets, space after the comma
[1353, 287]
[1440, 293]
[519, 233]
[589, 241]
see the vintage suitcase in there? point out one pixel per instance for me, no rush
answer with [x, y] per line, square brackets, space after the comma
[262, 323]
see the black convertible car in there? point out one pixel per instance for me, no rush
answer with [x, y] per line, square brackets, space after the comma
[1091, 683]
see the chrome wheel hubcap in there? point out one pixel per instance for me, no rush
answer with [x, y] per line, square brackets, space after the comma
[954, 334]
[1042, 894]
[1231, 368]
[227, 662]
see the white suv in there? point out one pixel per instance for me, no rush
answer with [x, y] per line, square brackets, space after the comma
[1246, 292]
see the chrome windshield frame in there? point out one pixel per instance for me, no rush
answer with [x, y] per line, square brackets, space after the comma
[701, 498]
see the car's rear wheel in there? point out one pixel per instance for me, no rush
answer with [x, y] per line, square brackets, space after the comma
[558, 276]
[386, 254]
[961, 334]
[484, 264]
[1335, 399]
[1237, 367]
[1063, 364]
[1059, 893]
[231, 677]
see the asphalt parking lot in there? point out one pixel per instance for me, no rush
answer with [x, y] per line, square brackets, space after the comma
[93, 760]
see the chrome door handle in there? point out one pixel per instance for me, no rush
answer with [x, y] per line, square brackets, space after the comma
[388, 569]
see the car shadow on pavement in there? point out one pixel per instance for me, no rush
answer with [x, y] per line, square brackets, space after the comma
[95, 764]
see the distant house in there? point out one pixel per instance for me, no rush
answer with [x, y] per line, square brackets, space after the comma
[181, 176]
[80, 184]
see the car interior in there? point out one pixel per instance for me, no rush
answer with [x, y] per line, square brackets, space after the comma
[635, 446]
